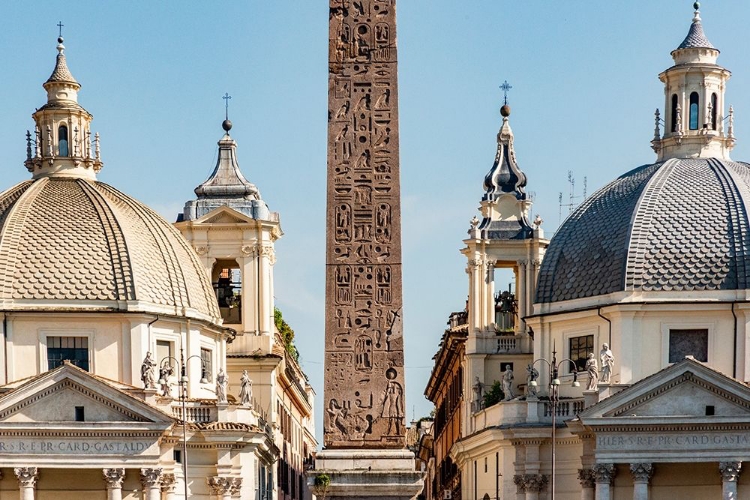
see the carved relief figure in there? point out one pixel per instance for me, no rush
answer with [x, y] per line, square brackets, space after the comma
[608, 363]
[147, 371]
[382, 42]
[383, 223]
[392, 403]
[246, 389]
[593, 370]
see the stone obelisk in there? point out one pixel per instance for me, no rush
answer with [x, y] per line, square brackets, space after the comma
[364, 365]
[364, 455]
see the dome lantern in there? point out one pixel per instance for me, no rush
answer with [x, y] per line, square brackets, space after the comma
[694, 100]
[62, 144]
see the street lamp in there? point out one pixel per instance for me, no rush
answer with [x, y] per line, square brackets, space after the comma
[183, 382]
[554, 397]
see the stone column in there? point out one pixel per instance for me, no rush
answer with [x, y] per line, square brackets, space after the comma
[605, 475]
[167, 486]
[730, 472]
[221, 487]
[642, 473]
[588, 481]
[114, 479]
[27, 477]
[151, 481]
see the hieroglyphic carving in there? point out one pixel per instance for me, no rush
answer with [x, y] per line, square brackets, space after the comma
[364, 384]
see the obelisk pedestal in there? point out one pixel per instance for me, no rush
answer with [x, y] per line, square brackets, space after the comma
[364, 436]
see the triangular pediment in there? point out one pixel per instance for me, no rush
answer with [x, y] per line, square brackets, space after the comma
[683, 390]
[53, 397]
[224, 215]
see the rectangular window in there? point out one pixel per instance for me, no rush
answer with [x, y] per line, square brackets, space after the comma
[206, 364]
[164, 352]
[80, 415]
[579, 349]
[73, 349]
[688, 343]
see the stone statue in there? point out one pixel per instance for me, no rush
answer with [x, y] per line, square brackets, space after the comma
[508, 383]
[608, 363]
[537, 221]
[165, 372]
[531, 375]
[246, 389]
[147, 372]
[221, 387]
[593, 371]
[477, 389]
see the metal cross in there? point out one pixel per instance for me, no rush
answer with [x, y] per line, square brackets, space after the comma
[60, 25]
[505, 87]
[226, 104]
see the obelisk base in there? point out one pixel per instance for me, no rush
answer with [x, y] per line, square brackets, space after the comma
[365, 475]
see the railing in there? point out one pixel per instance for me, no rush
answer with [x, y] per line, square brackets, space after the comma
[195, 414]
[565, 408]
[508, 343]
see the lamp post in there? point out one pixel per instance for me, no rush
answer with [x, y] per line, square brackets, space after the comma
[183, 382]
[554, 397]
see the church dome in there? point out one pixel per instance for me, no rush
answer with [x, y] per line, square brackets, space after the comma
[71, 243]
[677, 225]
[78, 244]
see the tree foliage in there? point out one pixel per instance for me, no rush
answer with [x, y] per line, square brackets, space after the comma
[494, 395]
[287, 334]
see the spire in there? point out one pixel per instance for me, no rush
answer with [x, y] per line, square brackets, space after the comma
[61, 73]
[227, 180]
[227, 187]
[505, 176]
[695, 38]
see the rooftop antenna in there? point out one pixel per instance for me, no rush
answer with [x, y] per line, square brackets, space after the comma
[572, 197]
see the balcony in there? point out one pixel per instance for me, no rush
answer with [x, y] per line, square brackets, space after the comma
[532, 411]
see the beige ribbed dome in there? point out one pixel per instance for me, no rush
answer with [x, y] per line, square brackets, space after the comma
[78, 244]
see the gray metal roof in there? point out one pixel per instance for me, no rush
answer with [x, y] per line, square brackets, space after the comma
[672, 226]
[695, 38]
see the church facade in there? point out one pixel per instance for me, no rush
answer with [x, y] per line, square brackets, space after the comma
[133, 367]
[626, 373]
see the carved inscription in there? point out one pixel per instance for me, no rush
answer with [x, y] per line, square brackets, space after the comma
[364, 379]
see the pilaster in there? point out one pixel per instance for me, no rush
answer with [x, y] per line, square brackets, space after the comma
[587, 479]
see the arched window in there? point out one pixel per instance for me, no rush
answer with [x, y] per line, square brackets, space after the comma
[694, 111]
[62, 138]
[714, 109]
[674, 112]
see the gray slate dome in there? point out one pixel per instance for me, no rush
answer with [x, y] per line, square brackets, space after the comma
[677, 225]
[77, 244]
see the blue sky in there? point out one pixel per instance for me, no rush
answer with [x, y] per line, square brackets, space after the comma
[585, 86]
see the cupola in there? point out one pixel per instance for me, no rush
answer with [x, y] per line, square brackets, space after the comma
[61, 144]
[695, 125]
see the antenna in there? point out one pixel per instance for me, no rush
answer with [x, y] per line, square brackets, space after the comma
[573, 198]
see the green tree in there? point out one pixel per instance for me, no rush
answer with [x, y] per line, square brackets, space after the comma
[287, 334]
[494, 395]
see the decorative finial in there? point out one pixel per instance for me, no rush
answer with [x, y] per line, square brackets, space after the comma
[697, 14]
[697, 6]
[226, 125]
[505, 109]
[60, 26]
